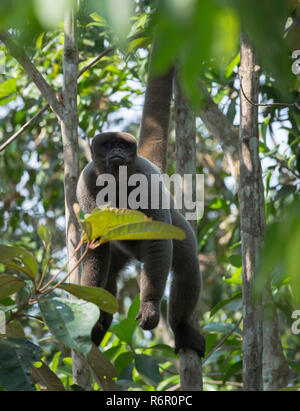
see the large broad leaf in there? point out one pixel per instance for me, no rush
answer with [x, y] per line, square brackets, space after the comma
[101, 221]
[16, 359]
[134, 307]
[9, 284]
[20, 259]
[102, 369]
[96, 295]
[146, 230]
[44, 376]
[124, 330]
[147, 367]
[70, 321]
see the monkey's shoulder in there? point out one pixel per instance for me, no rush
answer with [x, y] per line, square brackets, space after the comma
[145, 166]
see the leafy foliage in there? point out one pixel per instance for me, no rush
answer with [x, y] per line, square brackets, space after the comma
[203, 37]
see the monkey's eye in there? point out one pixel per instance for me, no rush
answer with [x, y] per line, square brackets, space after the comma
[123, 145]
[108, 145]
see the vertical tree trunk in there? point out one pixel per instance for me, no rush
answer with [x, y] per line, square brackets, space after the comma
[69, 130]
[252, 219]
[275, 368]
[185, 126]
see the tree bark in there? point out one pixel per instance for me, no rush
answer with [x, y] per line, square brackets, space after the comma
[252, 219]
[185, 127]
[69, 130]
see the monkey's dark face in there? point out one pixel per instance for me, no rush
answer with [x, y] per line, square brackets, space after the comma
[112, 150]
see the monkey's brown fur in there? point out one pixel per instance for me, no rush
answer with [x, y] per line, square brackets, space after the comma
[159, 257]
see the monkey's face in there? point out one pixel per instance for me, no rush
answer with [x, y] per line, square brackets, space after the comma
[112, 150]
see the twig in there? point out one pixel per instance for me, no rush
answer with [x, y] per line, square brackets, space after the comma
[23, 128]
[57, 274]
[70, 272]
[295, 104]
[222, 341]
[44, 273]
[28, 124]
[46, 90]
[95, 60]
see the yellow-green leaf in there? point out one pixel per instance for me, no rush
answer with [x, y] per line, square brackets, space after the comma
[146, 230]
[101, 221]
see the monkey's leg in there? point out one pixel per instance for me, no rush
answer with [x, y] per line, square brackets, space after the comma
[157, 261]
[95, 273]
[185, 293]
[95, 266]
[117, 262]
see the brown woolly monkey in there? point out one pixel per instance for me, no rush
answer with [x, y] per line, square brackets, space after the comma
[102, 265]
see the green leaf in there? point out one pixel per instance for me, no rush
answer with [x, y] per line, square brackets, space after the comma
[9, 284]
[45, 235]
[20, 259]
[221, 328]
[16, 358]
[221, 304]
[236, 277]
[96, 295]
[147, 367]
[140, 42]
[70, 321]
[8, 87]
[39, 40]
[101, 221]
[124, 330]
[101, 22]
[124, 224]
[102, 369]
[232, 65]
[235, 260]
[14, 329]
[41, 373]
[123, 360]
[134, 307]
[147, 230]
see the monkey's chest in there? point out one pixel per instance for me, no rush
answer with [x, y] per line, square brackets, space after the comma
[131, 248]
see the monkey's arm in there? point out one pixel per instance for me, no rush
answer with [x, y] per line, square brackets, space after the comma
[86, 189]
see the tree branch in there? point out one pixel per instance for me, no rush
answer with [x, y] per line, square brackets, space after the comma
[95, 60]
[219, 125]
[46, 90]
[23, 128]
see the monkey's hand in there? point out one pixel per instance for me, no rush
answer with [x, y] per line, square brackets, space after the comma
[148, 314]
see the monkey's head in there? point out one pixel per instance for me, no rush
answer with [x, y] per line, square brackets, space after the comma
[111, 150]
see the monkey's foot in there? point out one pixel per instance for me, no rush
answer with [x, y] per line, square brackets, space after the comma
[187, 336]
[148, 314]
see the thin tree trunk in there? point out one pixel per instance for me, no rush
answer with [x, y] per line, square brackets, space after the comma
[275, 368]
[185, 126]
[69, 130]
[252, 219]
